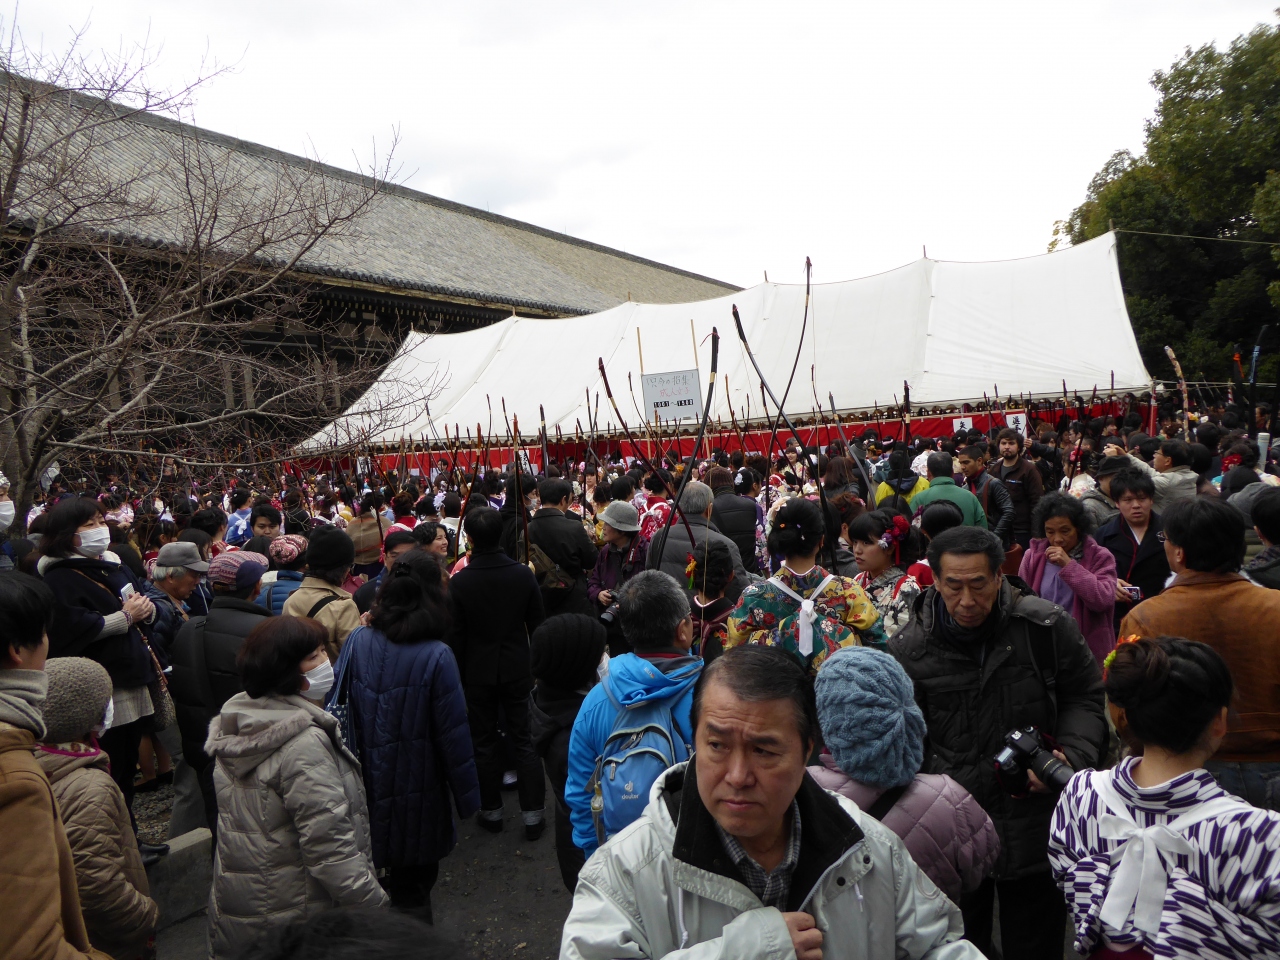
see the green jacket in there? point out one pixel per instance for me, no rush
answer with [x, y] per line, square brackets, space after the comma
[944, 488]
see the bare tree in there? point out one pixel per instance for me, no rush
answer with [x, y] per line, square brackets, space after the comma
[154, 298]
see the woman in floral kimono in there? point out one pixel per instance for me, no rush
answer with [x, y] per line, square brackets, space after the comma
[884, 544]
[807, 611]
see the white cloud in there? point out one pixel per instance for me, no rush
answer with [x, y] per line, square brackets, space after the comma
[726, 138]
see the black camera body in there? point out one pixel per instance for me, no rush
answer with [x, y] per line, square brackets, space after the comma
[611, 612]
[1024, 750]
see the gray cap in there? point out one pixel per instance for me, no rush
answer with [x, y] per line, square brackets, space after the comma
[181, 554]
[622, 516]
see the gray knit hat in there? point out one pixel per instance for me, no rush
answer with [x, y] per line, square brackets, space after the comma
[869, 718]
[79, 690]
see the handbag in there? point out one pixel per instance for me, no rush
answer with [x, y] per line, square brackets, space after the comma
[338, 705]
[163, 714]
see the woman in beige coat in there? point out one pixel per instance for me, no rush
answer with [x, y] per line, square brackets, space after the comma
[119, 914]
[293, 826]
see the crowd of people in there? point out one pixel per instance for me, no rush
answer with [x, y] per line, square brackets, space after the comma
[851, 702]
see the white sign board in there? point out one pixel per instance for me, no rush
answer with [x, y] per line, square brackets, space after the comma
[672, 396]
[961, 423]
[1018, 421]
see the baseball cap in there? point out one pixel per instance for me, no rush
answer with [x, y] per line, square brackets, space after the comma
[181, 554]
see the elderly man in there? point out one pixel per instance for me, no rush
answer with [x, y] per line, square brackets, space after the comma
[1211, 602]
[671, 547]
[988, 657]
[740, 855]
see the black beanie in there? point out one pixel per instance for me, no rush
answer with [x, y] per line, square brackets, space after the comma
[565, 651]
[330, 548]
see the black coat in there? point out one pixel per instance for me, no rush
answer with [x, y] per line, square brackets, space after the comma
[996, 504]
[87, 591]
[204, 674]
[1025, 485]
[674, 556]
[1147, 567]
[735, 517]
[495, 604]
[563, 538]
[551, 716]
[970, 705]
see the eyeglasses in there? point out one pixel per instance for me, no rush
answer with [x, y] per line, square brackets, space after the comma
[1160, 536]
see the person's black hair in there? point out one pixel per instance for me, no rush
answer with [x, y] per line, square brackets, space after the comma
[201, 539]
[756, 674]
[411, 605]
[483, 527]
[273, 651]
[371, 502]
[1235, 480]
[1170, 689]
[402, 504]
[939, 465]
[551, 492]
[965, 541]
[239, 497]
[425, 532]
[939, 516]
[871, 526]
[265, 510]
[398, 538]
[712, 568]
[1061, 505]
[1132, 482]
[623, 488]
[840, 473]
[744, 481]
[658, 481]
[602, 494]
[210, 520]
[262, 546]
[1008, 433]
[798, 528]
[58, 539]
[26, 610]
[1265, 514]
[1178, 452]
[1246, 450]
[451, 505]
[355, 933]
[972, 451]
[719, 477]
[1209, 531]
[528, 485]
[1201, 458]
[424, 507]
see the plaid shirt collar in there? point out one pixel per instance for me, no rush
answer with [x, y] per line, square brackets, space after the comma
[772, 887]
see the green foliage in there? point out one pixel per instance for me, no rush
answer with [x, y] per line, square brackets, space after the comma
[1209, 169]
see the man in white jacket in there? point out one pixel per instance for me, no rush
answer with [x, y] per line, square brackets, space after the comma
[740, 855]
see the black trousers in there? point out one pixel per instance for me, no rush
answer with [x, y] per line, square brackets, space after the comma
[120, 744]
[511, 700]
[1033, 917]
[410, 888]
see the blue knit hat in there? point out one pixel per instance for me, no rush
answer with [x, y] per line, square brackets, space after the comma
[869, 718]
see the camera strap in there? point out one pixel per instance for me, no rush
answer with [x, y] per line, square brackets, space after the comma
[1050, 681]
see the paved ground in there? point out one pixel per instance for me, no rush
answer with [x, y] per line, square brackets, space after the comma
[497, 893]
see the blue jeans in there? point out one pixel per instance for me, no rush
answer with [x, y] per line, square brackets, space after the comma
[1256, 783]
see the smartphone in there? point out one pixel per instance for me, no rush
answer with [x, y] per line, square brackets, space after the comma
[126, 592]
[1135, 593]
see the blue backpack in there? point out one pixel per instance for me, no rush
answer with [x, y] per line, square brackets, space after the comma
[644, 742]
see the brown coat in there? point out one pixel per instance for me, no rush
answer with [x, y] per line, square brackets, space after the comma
[114, 896]
[1242, 622]
[339, 616]
[39, 906]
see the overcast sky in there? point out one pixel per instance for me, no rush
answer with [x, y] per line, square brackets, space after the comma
[724, 138]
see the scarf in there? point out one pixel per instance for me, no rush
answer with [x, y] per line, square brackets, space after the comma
[970, 640]
[22, 694]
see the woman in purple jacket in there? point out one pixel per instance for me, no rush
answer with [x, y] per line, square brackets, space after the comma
[874, 736]
[1066, 566]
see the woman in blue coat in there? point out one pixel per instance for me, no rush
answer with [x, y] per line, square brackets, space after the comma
[410, 720]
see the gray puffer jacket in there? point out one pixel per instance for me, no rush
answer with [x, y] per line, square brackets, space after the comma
[664, 887]
[946, 831]
[293, 826]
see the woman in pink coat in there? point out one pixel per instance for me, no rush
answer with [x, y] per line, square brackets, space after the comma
[1068, 567]
[874, 736]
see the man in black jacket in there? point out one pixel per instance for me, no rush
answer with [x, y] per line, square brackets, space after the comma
[734, 516]
[496, 604]
[565, 541]
[988, 657]
[204, 674]
[1021, 478]
[1133, 537]
[991, 493]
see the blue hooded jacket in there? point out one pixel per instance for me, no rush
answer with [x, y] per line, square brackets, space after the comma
[632, 679]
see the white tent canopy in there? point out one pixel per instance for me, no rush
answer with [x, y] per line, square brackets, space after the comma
[954, 331]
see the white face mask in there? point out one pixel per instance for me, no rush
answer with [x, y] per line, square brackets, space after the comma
[94, 543]
[321, 680]
[7, 513]
[107, 717]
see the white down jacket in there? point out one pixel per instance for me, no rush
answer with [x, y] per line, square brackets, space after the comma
[654, 890]
[293, 826]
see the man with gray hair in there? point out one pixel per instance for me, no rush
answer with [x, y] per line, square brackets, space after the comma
[672, 547]
[635, 723]
[740, 855]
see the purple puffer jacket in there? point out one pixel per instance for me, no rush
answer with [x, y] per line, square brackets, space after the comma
[947, 833]
[1093, 580]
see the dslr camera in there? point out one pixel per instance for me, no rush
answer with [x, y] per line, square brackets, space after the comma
[1029, 749]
